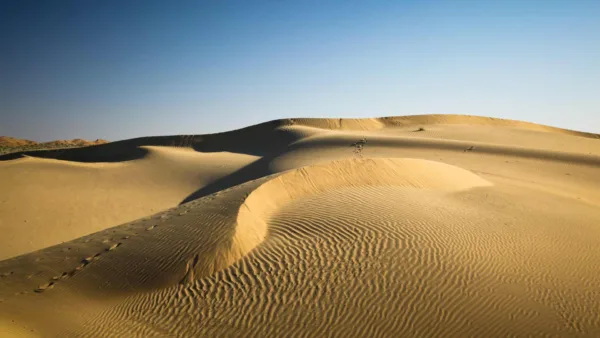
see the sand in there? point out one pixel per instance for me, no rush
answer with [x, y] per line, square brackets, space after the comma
[418, 226]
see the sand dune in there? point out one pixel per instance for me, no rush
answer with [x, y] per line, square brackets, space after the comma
[61, 200]
[413, 226]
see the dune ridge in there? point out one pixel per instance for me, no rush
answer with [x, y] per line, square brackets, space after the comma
[273, 129]
[432, 119]
[299, 183]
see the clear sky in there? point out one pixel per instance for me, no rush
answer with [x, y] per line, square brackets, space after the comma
[121, 69]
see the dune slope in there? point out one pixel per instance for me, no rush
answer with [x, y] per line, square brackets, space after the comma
[408, 226]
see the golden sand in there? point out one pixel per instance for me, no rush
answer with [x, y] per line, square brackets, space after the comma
[418, 226]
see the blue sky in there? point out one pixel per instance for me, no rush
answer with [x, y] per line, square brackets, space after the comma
[123, 69]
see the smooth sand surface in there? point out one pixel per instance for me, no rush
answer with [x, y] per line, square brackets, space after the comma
[418, 226]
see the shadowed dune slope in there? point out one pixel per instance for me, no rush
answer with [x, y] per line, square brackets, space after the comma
[414, 226]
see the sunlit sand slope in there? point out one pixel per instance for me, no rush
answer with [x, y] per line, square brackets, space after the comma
[468, 227]
[44, 202]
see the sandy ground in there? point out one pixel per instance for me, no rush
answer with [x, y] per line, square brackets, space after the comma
[419, 226]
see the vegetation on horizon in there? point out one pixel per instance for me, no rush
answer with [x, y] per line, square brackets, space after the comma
[15, 148]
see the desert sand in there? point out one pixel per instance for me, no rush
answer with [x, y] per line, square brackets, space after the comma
[416, 226]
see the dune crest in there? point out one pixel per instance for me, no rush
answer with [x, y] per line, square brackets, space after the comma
[358, 172]
[263, 135]
[366, 124]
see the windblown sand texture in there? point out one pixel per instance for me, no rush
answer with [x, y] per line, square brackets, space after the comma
[417, 226]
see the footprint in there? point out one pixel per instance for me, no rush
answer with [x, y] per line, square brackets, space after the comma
[63, 276]
[76, 270]
[87, 260]
[114, 246]
[44, 287]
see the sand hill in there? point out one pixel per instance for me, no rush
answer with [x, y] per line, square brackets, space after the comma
[417, 226]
